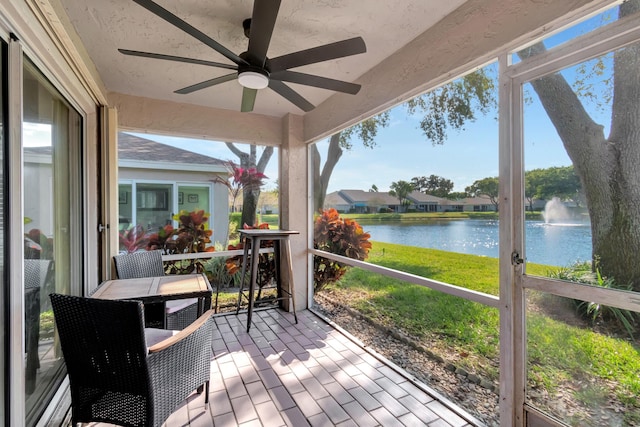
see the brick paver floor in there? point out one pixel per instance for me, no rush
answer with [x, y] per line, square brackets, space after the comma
[310, 373]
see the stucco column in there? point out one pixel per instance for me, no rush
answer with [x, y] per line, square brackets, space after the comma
[294, 203]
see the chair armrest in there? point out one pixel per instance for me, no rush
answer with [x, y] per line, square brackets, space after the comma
[162, 345]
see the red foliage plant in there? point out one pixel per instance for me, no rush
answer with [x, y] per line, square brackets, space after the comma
[338, 236]
[239, 179]
[191, 236]
[133, 239]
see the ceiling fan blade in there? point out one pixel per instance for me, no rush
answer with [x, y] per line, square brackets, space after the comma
[248, 99]
[207, 83]
[316, 81]
[177, 59]
[291, 95]
[187, 28]
[263, 20]
[322, 53]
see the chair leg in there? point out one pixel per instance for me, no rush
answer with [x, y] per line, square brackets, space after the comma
[206, 395]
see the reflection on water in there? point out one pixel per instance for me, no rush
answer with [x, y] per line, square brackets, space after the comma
[550, 244]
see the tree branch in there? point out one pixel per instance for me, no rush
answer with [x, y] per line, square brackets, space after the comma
[264, 159]
[244, 157]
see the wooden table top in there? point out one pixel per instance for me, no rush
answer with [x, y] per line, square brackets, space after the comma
[155, 288]
[267, 233]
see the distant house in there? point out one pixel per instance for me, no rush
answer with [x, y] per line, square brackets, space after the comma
[426, 202]
[156, 181]
[479, 204]
[360, 201]
[336, 201]
[469, 204]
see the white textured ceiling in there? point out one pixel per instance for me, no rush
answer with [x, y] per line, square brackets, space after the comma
[106, 25]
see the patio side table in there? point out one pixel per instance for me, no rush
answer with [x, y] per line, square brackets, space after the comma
[252, 240]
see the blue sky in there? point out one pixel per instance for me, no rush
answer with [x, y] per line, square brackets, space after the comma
[402, 152]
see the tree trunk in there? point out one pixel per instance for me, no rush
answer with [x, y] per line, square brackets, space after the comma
[608, 168]
[250, 195]
[321, 180]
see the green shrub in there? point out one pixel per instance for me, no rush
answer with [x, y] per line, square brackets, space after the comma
[217, 272]
[234, 225]
[583, 272]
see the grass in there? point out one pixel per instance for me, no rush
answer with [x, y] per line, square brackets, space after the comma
[559, 354]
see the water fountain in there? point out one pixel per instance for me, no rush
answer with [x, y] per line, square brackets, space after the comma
[555, 212]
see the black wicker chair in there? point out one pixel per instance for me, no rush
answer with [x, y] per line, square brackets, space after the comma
[118, 371]
[179, 313]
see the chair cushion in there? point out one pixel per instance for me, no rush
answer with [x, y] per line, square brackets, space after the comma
[154, 336]
[173, 306]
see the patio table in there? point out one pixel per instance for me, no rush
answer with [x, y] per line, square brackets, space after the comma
[252, 239]
[159, 289]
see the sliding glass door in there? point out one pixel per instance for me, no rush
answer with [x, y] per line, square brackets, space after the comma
[51, 135]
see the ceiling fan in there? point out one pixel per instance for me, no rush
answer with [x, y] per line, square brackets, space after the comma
[252, 68]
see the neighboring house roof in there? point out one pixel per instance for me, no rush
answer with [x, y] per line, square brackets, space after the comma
[361, 197]
[134, 151]
[38, 150]
[467, 201]
[335, 199]
[478, 201]
[38, 154]
[132, 147]
[418, 197]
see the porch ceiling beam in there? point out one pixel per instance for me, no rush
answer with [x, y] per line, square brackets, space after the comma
[470, 36]
[192, 121]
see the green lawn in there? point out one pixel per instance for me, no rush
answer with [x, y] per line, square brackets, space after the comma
[467, 333]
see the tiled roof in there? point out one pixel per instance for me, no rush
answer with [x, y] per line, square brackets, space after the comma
[46, 150]
[419, 197]
[370, 198]
[361, 196]
[482, 200]
[132, 147]
[334, 199]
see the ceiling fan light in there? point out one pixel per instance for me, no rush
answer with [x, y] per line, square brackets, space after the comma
[253, 80]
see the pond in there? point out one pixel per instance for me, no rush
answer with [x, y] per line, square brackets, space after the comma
[550, 244]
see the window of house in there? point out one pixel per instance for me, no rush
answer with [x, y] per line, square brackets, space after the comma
[153, 205]
[192, 197]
